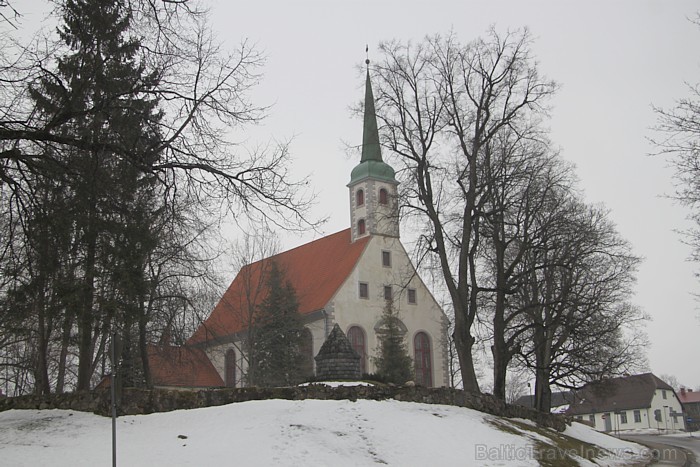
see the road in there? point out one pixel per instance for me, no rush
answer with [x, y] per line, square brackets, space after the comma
[669, 456]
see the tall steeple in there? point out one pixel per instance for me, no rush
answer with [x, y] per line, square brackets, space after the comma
[373, 185]
[370, 134]
[371, 163]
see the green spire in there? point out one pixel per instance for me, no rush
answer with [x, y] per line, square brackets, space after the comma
[371, 164]
[371, 151]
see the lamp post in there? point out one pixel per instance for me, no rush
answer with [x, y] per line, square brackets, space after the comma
[112, 382]
[529, 392]
[666, 418]
[673, 419]
[115, 354]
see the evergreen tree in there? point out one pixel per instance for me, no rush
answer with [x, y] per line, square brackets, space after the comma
[392, 360]
[114, 162]
[275, 354]
[100, 95]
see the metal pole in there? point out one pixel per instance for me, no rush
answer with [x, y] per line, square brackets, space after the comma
[673, 419]
[114, 401]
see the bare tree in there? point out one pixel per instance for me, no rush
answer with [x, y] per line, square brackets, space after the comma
[203, 96]
[672, 381]
[8, 13]
[251, 259]
[678, 137]
[578, 280]
[518, 384]
[442, 104]
[186, 153]
[519, 179]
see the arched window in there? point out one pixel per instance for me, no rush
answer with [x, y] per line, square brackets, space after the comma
[361, 227]
[307, 350]
[356, 336]
[383, 196]
[423, 360]
[360, 197]
[230, 368]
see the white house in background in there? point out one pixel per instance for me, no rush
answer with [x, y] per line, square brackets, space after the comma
[345, 278]
[628, 403]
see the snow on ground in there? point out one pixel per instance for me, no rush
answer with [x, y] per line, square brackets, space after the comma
[619, 448]
[276, 432]
[335, 384]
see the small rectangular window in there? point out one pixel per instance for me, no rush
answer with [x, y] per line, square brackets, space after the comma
[364, 290]
[623, 417]
[388, 295]
[637, 416]
[412, 296]
[591, 418]
[663, 393]
[386, 259]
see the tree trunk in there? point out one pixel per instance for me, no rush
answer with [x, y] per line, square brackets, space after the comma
[500, 351]
[466, 364]
[464, 342]
[543, 393]
[65, 341]
[500, 370]
[85, 318]
[143, 345]
[43, 335]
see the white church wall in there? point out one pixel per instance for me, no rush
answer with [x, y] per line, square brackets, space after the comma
[217, 353]
[217, 356]
[426, 316]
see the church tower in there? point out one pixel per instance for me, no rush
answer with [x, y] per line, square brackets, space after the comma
[373, 187]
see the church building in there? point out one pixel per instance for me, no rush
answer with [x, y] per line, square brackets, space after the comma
[345, 278]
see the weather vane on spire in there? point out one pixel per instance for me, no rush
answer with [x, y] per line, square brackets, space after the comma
[367, 52]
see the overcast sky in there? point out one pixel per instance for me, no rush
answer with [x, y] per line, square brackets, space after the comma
[612, 59]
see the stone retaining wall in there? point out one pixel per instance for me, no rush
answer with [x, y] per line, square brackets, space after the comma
[143, 401]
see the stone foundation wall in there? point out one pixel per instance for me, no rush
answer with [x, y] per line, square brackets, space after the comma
[338, 368]
[143, 401]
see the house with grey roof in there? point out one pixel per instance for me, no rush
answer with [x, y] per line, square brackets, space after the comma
[628, 403]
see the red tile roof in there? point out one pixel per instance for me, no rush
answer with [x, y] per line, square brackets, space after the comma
[182, 367]
[316, 270]
[687, 396]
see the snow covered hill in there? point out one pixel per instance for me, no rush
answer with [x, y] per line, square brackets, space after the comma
[301, 433]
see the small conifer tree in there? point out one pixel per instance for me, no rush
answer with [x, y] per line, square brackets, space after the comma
[277, 348]
[392, 360]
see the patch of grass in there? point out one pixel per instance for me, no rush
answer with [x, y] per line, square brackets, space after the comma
[553, 456]
[503, 426]
[560, 450]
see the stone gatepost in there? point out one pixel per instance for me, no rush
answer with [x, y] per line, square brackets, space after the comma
[337, 359]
